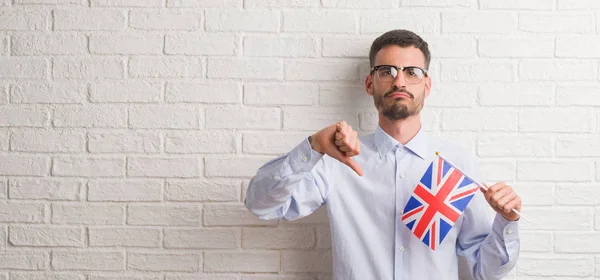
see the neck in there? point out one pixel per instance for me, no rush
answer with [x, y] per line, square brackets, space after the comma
[401, 130]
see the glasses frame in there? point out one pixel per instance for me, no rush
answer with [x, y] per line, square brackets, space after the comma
[399, 69]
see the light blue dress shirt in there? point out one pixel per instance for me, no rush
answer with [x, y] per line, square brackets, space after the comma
[369, 239]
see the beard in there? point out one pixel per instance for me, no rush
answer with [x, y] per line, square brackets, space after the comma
[399, 108]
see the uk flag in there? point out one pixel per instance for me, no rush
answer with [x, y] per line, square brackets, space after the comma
[437, 202]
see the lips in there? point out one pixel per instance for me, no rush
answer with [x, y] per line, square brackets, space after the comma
[398, 94]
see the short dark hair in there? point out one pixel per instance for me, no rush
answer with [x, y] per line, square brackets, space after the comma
[402, 38]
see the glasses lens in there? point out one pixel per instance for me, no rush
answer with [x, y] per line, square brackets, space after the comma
[413, 75]
[387, 73]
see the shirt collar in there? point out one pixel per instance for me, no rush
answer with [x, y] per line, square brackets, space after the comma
[386, 143]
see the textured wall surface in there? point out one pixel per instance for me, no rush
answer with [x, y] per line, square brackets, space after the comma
[129, 129]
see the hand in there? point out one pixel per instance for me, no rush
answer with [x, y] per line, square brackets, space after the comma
[339, 141]
[502, 198]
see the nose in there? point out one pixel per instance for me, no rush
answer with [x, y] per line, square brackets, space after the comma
[399, 81]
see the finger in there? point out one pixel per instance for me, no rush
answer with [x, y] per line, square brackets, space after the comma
[504, 201]
[493, 189]
[498, 195]
[354, 165]
[511, 204]
[345, 149]
[340, 136]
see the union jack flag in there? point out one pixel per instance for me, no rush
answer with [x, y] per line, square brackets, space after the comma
[437, 202]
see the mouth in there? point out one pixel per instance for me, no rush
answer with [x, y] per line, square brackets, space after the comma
[398, 94]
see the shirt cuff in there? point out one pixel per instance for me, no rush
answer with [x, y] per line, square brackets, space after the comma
[303, 158]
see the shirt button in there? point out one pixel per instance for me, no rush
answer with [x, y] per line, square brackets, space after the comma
[304, 158]
[276, 178]
[402, 175]
[401, 249]
[509, 231]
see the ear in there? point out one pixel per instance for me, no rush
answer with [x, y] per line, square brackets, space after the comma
[369, 85]
[427, 86]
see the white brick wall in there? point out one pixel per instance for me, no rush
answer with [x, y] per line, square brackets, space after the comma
[129, 129]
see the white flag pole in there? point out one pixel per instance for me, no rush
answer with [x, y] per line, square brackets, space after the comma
[476, 183]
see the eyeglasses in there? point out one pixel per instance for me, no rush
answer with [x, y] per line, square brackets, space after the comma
[388, 73]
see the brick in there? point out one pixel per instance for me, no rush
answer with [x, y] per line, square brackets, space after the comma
[583, 95]
[88, 214]
[126, 92]
[88, 260]
[49, 2]
[346, 46]
[327, 70]
[23, 19]
[213, 142]
[559, 171]
[111, 190]
[3, 236]
[319, 21]
[88, 68]
[89, 19]
[379, 22]
[165, 67]
[312, 119]
[556, 266]
[360, 4]
[451, 95]
[170, 117]
[577, 146]
[280, 3]
[231, 215]
[23, 260]
[517, 5]
[557, 23]
[266, 261]
[4, 92]
[323, 238]
[270, 238]
[194, 92]
[22, 68]
[133, 44]
[78, 166]
[44, 189]
[578, 5]
[158, 19]
[436, 3]
[536, 241]
[124, 142]
[163, 262]
[38, 140]
[498, 170]
[275, 277]
[482, 22]
[47, 236]
[242, 20]
[124, 237]
[597, 219]
[452, 46]
[127, 3]
[4, 140]
[577, 242]
[13, 212]
[477, 71]
[577, 46]
[204, 277]
[49, 44]
[201, 44]
[233, 117]
[202, 238]
[558, 218]
[557, 70]
[205, 3]
[516, 94]
[578, 195]
[479, 120]
[3, 194]
[555, 120]
[202, 190]
[164, 215]
[46, 276]
[3, 44]
[49, 93]
[164, 167]
[307, 261]
[14, 116]
[280, 46]
[272, 143]
[17, 165]
[233, 166]
[245, 68]
[279, 94]
[125, 276]
[514, 146]
[516, 46]
[345, 96]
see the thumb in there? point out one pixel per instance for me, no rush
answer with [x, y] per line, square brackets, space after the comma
[353, 164]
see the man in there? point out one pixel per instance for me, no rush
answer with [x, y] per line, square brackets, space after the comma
[367, 181]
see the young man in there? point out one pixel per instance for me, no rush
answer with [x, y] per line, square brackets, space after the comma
[366, 183]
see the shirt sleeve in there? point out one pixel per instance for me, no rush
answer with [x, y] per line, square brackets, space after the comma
[290, 186]
[490, 247]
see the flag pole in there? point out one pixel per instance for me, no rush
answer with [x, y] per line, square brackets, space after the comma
[476, 183]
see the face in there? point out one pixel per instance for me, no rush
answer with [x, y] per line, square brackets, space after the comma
[398, 99]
